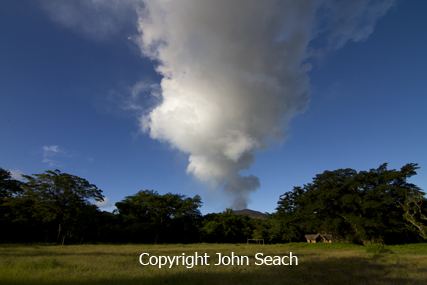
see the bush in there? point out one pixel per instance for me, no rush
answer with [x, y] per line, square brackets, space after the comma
[377, 248]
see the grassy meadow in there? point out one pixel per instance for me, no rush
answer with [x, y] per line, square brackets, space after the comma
[119, 264]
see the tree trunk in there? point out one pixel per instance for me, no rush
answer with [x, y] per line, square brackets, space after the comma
[59, 233]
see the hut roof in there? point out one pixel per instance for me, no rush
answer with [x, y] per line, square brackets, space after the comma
[313, 237]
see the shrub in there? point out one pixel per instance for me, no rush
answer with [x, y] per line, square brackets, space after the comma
[377, 248]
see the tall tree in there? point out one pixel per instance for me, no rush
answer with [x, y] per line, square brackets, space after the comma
[61, 198]
[289, 221]
[151, 212]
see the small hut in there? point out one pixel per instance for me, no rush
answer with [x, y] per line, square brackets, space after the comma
[319, 238]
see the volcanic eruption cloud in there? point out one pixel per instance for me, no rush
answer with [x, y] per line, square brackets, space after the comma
[235, 72]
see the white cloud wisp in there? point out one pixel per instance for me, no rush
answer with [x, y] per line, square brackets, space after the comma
[51, 152]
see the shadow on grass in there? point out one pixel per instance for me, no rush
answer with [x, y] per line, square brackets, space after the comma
[348, 270]
[53, 254]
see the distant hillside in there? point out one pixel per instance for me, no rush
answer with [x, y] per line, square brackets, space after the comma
[251, 214]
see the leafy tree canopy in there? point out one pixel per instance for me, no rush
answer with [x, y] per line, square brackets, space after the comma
[365, 205]
[226, 227]
[61, 198]
[157, 212]
[59, 192]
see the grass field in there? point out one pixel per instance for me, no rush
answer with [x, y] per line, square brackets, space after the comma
[119, 264]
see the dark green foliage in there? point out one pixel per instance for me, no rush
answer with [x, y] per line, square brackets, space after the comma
[14, 211]
[364, 207]
[18, 220]
[110, 228]
[226, 227]
[48, 207]
[151, 217]
[286, 222]
[62, 200]
[8, 187]
[260, 229]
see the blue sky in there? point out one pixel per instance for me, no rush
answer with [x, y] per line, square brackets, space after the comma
[66, 102]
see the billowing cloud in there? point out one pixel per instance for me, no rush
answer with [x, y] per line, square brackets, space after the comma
[235, 73]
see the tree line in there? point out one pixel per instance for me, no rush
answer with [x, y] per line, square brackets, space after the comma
[375, 206]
